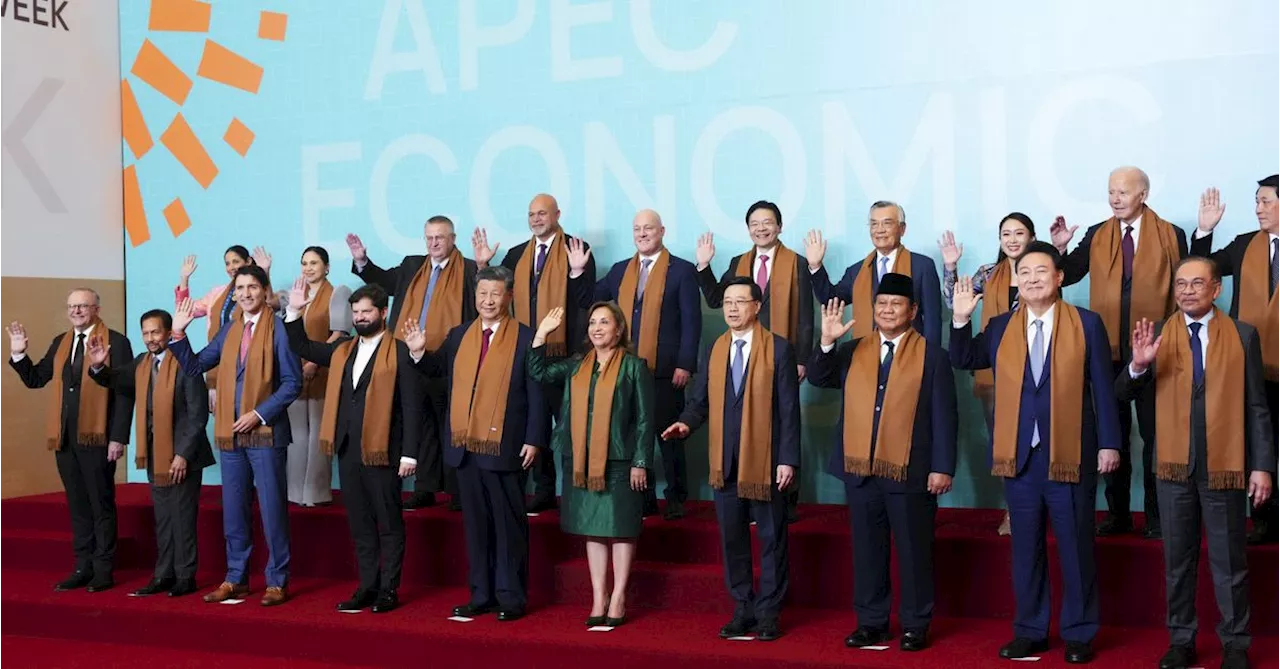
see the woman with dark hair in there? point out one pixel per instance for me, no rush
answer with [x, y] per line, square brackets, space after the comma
[998, 282]
[608, 454]
[326, 317]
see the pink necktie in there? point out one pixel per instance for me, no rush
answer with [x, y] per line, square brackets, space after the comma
[762, 274]
[246, 336]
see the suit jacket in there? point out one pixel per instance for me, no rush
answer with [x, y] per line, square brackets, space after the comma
[397, 279]
[577, 295]
[1230, 260]
[785, 438]
[1259, 434]
[802, 339]
[933, 433]
[409, 399]
[190, 410]
[631, 428]
[525, 419]
[925, 285]
[1099, 418]
[681, 325]
[286, 384]
[119, 405]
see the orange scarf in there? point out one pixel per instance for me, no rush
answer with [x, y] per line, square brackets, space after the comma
[995, 301]
[315, 320]
[161, 416]
[755, 452]
[892, 454]
[1151, 293]
[552, 290]
[91, 424]
[1256, 308]
[784, 295]
[651, 310]
[863, 296]
[445, 310]
[259, 370]
[379, 398]
[478, 397]
[215, 324]
[591, 451]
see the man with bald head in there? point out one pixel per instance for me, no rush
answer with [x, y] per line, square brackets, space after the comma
[1130, 259]
[552, 270]
[658, 292]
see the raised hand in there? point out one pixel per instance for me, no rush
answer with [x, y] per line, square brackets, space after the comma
[298, 299]
[1145, 344]
[415, 338]
[182, 317]
[706, 250]
[17, 338]
[1211, 209]
[480, 246]
[815, 249]
[554, 319]
[1060, 234]
[833, 325]
[579, 254]
[262, 259]
[964, 300]
[951, 251]
[188, 267]
[96, 352]
[358, 252]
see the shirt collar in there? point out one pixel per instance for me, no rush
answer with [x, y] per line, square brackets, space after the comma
[1203, 320]
[254, 318]
[373, 341]
[493, 329]
[653, 258]
[442, 264]
[87, 331]
[1271, 238]
[746, 336]
[895, 340]
[550, 240]
[1047, 316]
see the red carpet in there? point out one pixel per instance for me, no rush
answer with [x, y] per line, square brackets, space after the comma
[677, 599]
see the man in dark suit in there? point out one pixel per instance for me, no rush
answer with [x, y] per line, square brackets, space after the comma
[481, 363]
[174, 465]
[887, 223]
[1252, 260]
[749, 393]
[85, 447]
[890, 483]
[1055, 429]
[251, 431]
[1130, 259]
[1207, 372]
[570, 269]
[370, 424]
[671, 347]
[398, 282]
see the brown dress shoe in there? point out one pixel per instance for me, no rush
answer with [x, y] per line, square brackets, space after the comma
[227, 591]
[274, 597]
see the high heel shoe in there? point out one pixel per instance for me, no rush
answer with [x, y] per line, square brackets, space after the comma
[615, 622]
[598, 621]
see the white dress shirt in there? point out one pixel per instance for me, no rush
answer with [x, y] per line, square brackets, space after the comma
[768, 270]
[746, 348]
[1047, 319]
[1135, 233]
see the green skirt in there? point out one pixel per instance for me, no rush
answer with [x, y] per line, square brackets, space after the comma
[617, 512]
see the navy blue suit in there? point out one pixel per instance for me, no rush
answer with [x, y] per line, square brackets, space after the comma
[879, 505]
[927, 289]
[1032, 496]
[734, 514]
[262, 468]
[493, 515]
[679, 332]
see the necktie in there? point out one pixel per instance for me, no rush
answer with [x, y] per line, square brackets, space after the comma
[542, 259]
[426, 299]
[246, 336]
[644, 278]
[151, 388]
[1197, 356]
[1037, 368]
[738, 366]
[484, 343]
[1275, 266]
[1126, 250]
[762, 274]
[884, 268]
[887, 363]
[77, 360]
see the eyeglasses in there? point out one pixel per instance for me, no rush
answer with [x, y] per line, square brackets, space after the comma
[81, 307]
[737, 303]
[1196, 285]
[884, 224]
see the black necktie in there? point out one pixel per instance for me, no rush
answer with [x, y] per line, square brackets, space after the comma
[1197, 354]
[886, 363]
[77, 360]
[151, 389]
[1275, 267]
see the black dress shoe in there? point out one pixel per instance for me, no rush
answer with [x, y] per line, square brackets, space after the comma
[1021, 647]
[155, 587]
[1114, 525]
[359, 601]
[1235, 658]
[792, 515]
[867, 636]
[675, 511]
[767, 630]
[77, 580]
[914, 640]
[510, 615]
[420, 500]
[597, 621]
[616, 622]
[388, 601]
[1152, 531]
[739, 626]
[539, 504]
[182, 587]
[473, 610]
[455, 503]
[1078, 653]
[100, 583]
[1178, 657]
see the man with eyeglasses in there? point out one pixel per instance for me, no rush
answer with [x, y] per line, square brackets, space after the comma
[87, 427]
[887, 224]
[435, 292]
[1252, 260]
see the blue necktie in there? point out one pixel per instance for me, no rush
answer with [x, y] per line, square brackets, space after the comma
[738, 366]
[541, 260]
[1037, 369]
[887, 363]
[1197, 356]
[426, 299]
[884, 268]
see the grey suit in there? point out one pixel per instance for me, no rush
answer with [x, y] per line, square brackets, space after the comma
[1184, 505]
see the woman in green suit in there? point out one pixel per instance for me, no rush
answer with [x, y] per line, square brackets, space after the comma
[605, 437]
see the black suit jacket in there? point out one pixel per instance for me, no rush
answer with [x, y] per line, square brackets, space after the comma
[397, 279]
[119, 406]
[409, 401]
[1259, 434]
[190, 410]
[801, 339]
[1230, 260]
[578, 292]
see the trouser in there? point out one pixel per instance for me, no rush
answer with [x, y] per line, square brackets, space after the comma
[309, 471]
[668, 402]
[261, 469]
[497, 533]
[432, 474]
[89, 481]
[371, 495]
[874, 514]
[543, 471]
[1118, 483]
[735, 516]
[176, 509]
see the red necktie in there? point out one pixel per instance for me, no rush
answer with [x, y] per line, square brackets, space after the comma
[484, 344]
[762, 274]
[246, 336]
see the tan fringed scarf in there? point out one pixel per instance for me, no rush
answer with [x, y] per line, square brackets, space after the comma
[591, 451]
[259, 370]
[91, 424]
[379, 399]
[445, 311]
[651, 310]
[902, 394]
[315, 321]
[552, 290]
[215, 324]
[161, 416]
[1065, 356]
[1151, 293]
[784, 295]
[1223, 397]
[1256, 308]
[863, 293]
[755, 445]
[478, 398]
[995, 301]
